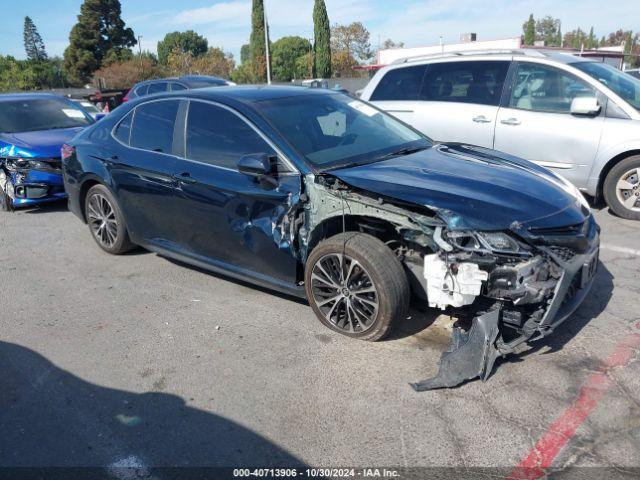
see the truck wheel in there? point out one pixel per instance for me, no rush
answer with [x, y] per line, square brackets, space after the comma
[106, 221]
[356, 286]
[622, 188]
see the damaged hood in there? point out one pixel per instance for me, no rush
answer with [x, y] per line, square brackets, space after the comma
[472, 187]
[43, 143]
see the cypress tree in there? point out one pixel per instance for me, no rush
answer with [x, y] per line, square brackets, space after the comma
[33, 44]
[530, 31]
[256, 43]
[322, 40]
[99, 37]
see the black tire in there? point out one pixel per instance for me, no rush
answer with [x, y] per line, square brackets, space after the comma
[373, 261]
[6, 202]
[116, 240]
[612, 194]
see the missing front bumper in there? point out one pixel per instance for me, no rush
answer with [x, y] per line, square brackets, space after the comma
[473, 354]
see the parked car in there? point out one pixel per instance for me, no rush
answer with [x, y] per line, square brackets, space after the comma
[33, 128]
[578, 117]
[317, 194]
[90, 108]
[162, 85]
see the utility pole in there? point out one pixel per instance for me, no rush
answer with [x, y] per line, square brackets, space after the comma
[266, 44]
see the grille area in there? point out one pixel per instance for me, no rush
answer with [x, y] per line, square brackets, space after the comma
[565, 254]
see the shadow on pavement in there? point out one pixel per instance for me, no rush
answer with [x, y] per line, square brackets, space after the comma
[51, 418]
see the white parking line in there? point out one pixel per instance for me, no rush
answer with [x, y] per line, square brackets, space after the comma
[615, 248]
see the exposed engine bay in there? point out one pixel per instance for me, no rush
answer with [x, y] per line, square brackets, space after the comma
[504, 287]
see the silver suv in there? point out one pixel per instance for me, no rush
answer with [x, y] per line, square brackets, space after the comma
[580, 118]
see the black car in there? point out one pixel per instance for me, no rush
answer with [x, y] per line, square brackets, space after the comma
[174, 84]
[317, 194]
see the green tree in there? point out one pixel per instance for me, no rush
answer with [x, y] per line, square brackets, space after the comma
[529, 28]
[184, 42]
[285, 53]
[591, 42]
[547, 30]
[322, 40]
[257, 45]
[99, 38]
[388, 43]
[33, 44]
[245, 53]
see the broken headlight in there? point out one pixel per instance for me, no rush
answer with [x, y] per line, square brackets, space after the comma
[14, 164]
[495, 242]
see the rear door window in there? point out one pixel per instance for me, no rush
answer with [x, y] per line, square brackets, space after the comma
[153, 125]
[400, 84]
[177, 86]
[219, 137]
[157, 87]
[141, 91]
[479, 82]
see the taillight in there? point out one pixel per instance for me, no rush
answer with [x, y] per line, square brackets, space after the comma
[126, 97]
[66, 151]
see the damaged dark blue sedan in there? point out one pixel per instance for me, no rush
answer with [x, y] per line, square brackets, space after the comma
[316, 194]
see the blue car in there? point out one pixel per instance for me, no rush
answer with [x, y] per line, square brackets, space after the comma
[33, 128]
[320, 195]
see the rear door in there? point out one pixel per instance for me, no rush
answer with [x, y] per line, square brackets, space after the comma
[142, 168]
[457, 101]
[536, 122]
[228, 218]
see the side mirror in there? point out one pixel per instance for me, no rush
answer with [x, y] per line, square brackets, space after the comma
[255, 165]
[585, 106]
[99, 116]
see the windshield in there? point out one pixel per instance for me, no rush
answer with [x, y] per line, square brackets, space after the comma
[90, 107]
[33, 114]
[621, 83]
[335, 130]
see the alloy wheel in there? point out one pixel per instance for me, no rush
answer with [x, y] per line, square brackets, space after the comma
[628, 189]
[102, 220]
[344, 293]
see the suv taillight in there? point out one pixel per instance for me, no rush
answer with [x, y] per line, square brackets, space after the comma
[66, 151]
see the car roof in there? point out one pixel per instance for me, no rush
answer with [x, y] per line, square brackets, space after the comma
[5, 97]
[188, 80]
[560, 57]
[247, 94]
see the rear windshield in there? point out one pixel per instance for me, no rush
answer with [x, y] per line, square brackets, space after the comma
[30, 115]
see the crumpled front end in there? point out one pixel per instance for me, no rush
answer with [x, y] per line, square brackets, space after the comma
[30, 181]
[509, 288]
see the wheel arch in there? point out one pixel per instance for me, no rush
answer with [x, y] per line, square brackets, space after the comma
[86, 184]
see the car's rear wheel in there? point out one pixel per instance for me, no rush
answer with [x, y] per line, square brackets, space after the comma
[356, 286]
[622, 188]
[106, 221]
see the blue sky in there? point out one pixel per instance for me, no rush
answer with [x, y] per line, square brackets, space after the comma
[226, 23]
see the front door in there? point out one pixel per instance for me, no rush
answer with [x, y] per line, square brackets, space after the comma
[537, 124]
[230, 219]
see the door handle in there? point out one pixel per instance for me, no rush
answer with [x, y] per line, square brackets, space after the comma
[184, 177]
[481, 119]
[510, 121]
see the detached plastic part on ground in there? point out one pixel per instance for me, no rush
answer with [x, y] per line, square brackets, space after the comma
[470, 355]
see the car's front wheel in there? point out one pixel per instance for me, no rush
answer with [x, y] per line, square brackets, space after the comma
[106, 221]
[622, 188]
[356, 286]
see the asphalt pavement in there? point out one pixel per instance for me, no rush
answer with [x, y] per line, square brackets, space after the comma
[140, 361]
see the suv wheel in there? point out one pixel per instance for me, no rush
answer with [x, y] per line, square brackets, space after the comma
[356, 286]
[106, 221]
[622, 188]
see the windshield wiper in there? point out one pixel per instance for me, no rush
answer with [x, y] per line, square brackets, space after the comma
[401, 153]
